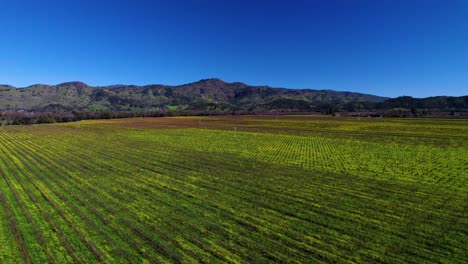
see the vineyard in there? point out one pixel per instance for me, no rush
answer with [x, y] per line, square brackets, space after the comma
[249, 189]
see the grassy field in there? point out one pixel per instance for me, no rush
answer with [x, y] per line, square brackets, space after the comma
[304, 189]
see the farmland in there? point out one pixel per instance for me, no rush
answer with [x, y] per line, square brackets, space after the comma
[250, 189]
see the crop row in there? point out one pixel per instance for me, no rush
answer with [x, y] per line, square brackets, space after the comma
[110, 194]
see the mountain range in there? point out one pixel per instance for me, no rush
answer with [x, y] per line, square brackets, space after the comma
[206, 94]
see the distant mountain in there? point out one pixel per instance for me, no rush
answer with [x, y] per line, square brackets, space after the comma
[435, 102]
[206, 94]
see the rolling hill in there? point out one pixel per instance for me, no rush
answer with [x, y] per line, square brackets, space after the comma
[206, 94]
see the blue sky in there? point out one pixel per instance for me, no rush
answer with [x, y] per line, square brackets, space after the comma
[389, 48]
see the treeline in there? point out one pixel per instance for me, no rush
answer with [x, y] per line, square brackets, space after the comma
[28, 118]
[20, 117]
[416, 106]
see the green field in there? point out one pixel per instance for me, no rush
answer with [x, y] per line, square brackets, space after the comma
[303, 189]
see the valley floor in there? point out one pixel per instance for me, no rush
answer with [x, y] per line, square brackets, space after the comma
[249, 189]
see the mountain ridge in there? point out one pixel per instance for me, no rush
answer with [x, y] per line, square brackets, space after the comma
[204, 94]
[201, 81]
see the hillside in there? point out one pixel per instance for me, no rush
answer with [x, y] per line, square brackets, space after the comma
[434, 102]
[207, 94]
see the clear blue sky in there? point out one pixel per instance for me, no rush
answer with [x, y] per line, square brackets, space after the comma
[389, 48]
